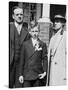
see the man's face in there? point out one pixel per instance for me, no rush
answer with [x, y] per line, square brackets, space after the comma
[58, 25]
[34, 32]
[18, 15]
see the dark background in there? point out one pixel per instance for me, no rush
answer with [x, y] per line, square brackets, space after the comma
[54, 9]
[57, 9]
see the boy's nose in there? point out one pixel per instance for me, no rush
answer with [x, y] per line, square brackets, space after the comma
[34, 33]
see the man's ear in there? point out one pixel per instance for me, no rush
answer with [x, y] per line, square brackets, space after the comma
[13, 16]
[29, 32]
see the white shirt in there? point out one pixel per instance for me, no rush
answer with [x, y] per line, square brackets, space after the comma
[18, 27]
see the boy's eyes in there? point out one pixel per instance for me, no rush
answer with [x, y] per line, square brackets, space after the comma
[34, 31]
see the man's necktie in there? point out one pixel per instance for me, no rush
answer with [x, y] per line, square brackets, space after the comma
[19, 29]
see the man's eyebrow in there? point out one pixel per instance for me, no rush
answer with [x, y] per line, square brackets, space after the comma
[19, 14]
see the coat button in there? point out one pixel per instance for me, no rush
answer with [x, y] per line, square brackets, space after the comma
[55, 62]
[64, 78]
[65, 52]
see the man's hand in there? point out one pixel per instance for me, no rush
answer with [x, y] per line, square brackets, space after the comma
[41, 76]
[21, 79]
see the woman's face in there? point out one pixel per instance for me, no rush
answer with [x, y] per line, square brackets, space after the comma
[58, 25]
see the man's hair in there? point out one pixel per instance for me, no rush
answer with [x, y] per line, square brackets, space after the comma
[16, 7]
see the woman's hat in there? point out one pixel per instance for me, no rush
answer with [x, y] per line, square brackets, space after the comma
[59, 17]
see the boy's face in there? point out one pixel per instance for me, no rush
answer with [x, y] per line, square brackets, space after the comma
[34, 32]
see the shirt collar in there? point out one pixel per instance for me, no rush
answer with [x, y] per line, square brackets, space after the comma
[34, 41]
[16, 24]
[59, 32]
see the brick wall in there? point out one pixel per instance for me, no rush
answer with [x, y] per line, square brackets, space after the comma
[44, 32]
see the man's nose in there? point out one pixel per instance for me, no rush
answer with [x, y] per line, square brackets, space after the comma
[19, 17]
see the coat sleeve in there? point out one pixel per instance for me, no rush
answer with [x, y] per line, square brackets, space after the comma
[50, 50]
[44, 58]
[21, 64]
[11, 43]
[49, 61]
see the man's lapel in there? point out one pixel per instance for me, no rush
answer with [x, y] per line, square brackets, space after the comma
[57, 42]
[31, 48]
[23, 34]
[12, 31]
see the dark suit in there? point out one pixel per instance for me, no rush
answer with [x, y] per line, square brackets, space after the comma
[15, 43]
[31, 61]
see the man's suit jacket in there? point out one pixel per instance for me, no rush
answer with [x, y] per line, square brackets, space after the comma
[33, 63]
[24, 37]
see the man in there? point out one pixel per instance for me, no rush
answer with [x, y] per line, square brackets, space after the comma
[33, 63]
[17, 36]
[57, 53]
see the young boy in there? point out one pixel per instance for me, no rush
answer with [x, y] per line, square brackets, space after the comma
[33, 62]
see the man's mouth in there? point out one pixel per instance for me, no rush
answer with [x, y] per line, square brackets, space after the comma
[19, 18]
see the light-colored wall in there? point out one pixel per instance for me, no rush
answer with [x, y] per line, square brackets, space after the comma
[46, 10]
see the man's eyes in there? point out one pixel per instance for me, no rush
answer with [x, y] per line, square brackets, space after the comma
[19, 14]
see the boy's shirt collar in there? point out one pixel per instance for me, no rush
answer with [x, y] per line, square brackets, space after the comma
[34, 41]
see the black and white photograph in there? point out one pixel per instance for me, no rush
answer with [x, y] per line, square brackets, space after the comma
[33, 48]
[37, 44]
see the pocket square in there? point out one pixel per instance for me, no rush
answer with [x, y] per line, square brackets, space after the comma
[38, 49]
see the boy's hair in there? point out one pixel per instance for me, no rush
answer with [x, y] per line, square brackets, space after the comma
[35, 25]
